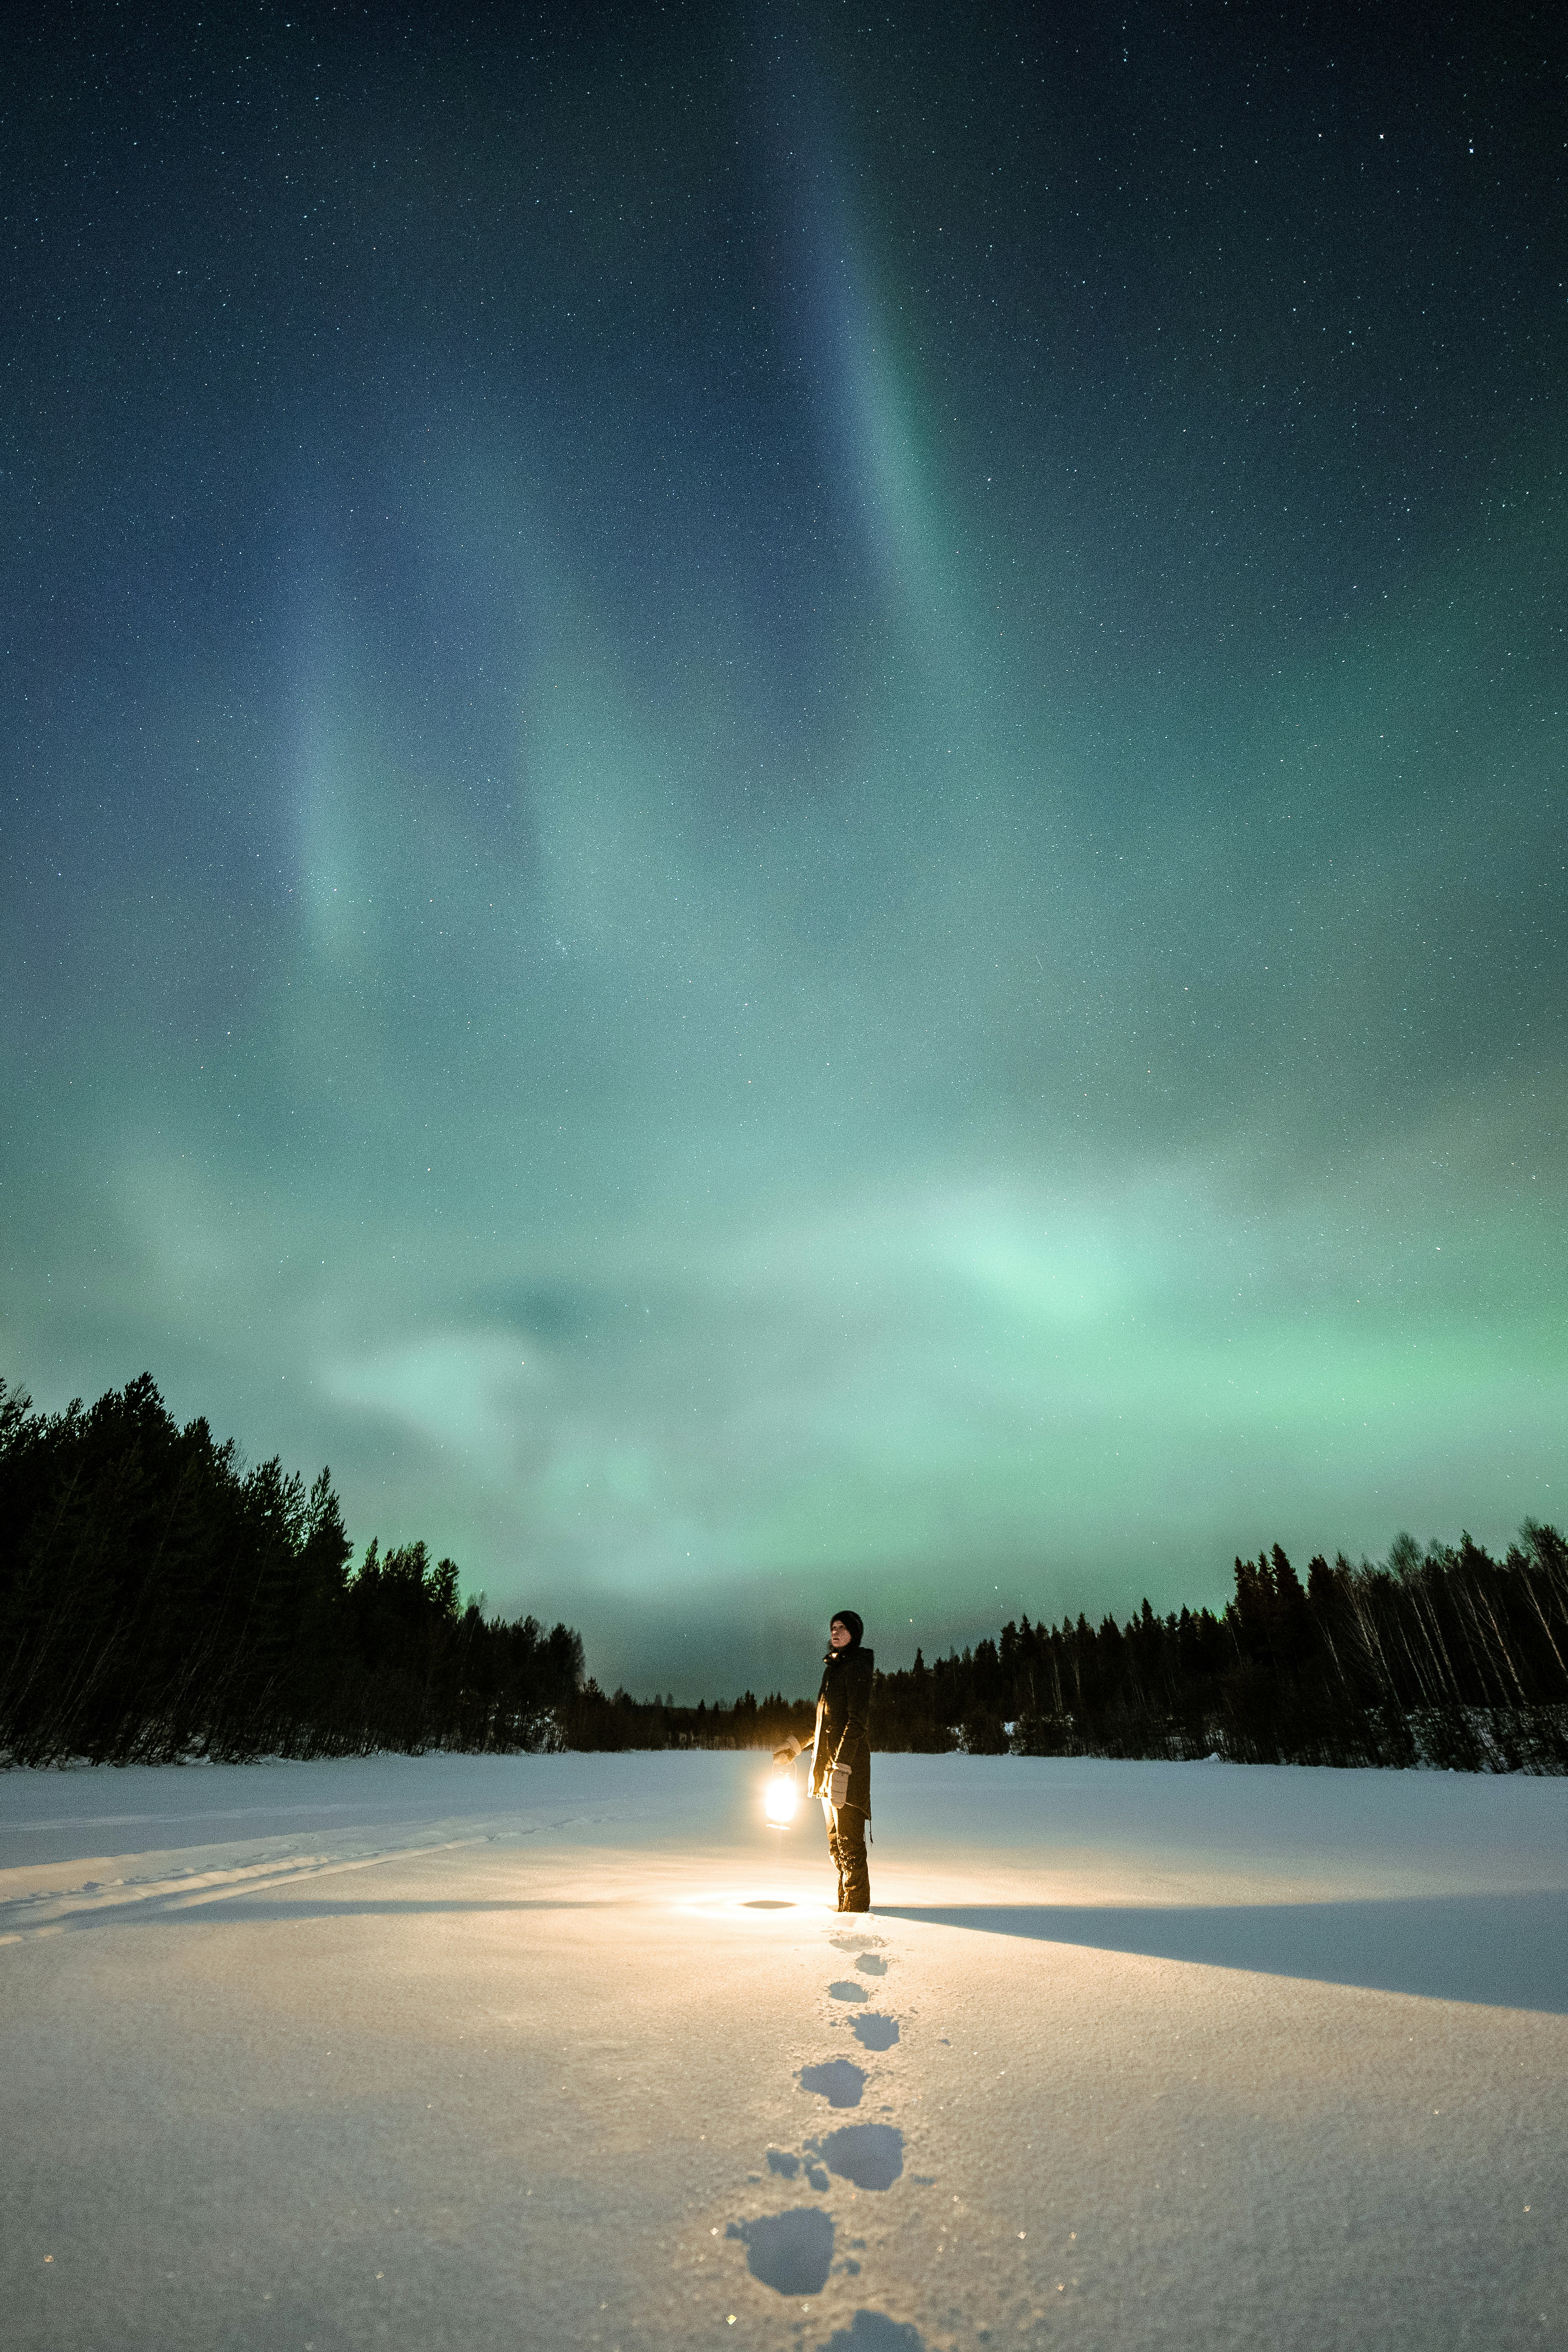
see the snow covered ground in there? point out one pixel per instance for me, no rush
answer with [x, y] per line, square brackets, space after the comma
[567, 2052]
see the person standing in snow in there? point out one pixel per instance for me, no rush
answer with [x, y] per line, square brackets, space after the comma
[841, 1756]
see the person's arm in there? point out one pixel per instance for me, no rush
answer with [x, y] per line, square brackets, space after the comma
[793, 1747]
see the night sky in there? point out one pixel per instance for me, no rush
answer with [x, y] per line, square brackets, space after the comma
[782, 788]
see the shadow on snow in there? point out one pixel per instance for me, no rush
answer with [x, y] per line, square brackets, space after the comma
[1508, 1951]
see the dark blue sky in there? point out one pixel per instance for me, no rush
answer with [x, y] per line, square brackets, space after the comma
[783, 788]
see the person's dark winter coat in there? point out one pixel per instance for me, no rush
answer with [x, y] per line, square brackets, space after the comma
[844, 1723]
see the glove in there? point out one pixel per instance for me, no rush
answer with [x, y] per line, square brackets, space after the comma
[787, 1753]
[837, 1785]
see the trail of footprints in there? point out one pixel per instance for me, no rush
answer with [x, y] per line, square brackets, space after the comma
[794, 2252]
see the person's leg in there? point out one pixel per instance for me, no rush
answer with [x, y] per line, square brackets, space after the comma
[854, 1871]
[829, 1817]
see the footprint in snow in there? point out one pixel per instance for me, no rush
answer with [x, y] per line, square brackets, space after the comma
[875, 2031]
[848, 1989]
[841, 2082]
[792, 2253]
[871, 2155]
[855, 1943]
[873, 2331]
[869, 1965]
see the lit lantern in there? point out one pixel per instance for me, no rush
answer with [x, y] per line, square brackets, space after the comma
[779, 1800]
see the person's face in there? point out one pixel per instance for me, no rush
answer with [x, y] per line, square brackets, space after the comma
[838, 1634]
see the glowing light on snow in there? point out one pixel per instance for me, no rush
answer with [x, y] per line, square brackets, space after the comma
[779, 1800]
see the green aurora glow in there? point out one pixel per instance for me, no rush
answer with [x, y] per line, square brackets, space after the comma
[892, 1048]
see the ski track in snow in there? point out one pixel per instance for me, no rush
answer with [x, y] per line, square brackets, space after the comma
[557, 2052]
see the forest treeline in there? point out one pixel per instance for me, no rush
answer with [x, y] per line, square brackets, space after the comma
[159, 1599]
[1444, 1657]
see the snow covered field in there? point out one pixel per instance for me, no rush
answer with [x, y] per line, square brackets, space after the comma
[565, 2052]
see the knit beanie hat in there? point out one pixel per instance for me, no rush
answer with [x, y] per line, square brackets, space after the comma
[856, 1624]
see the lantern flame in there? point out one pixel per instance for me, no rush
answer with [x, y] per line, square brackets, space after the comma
[778, 1802]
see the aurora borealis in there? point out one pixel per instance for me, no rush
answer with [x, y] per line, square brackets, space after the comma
[783, 815]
